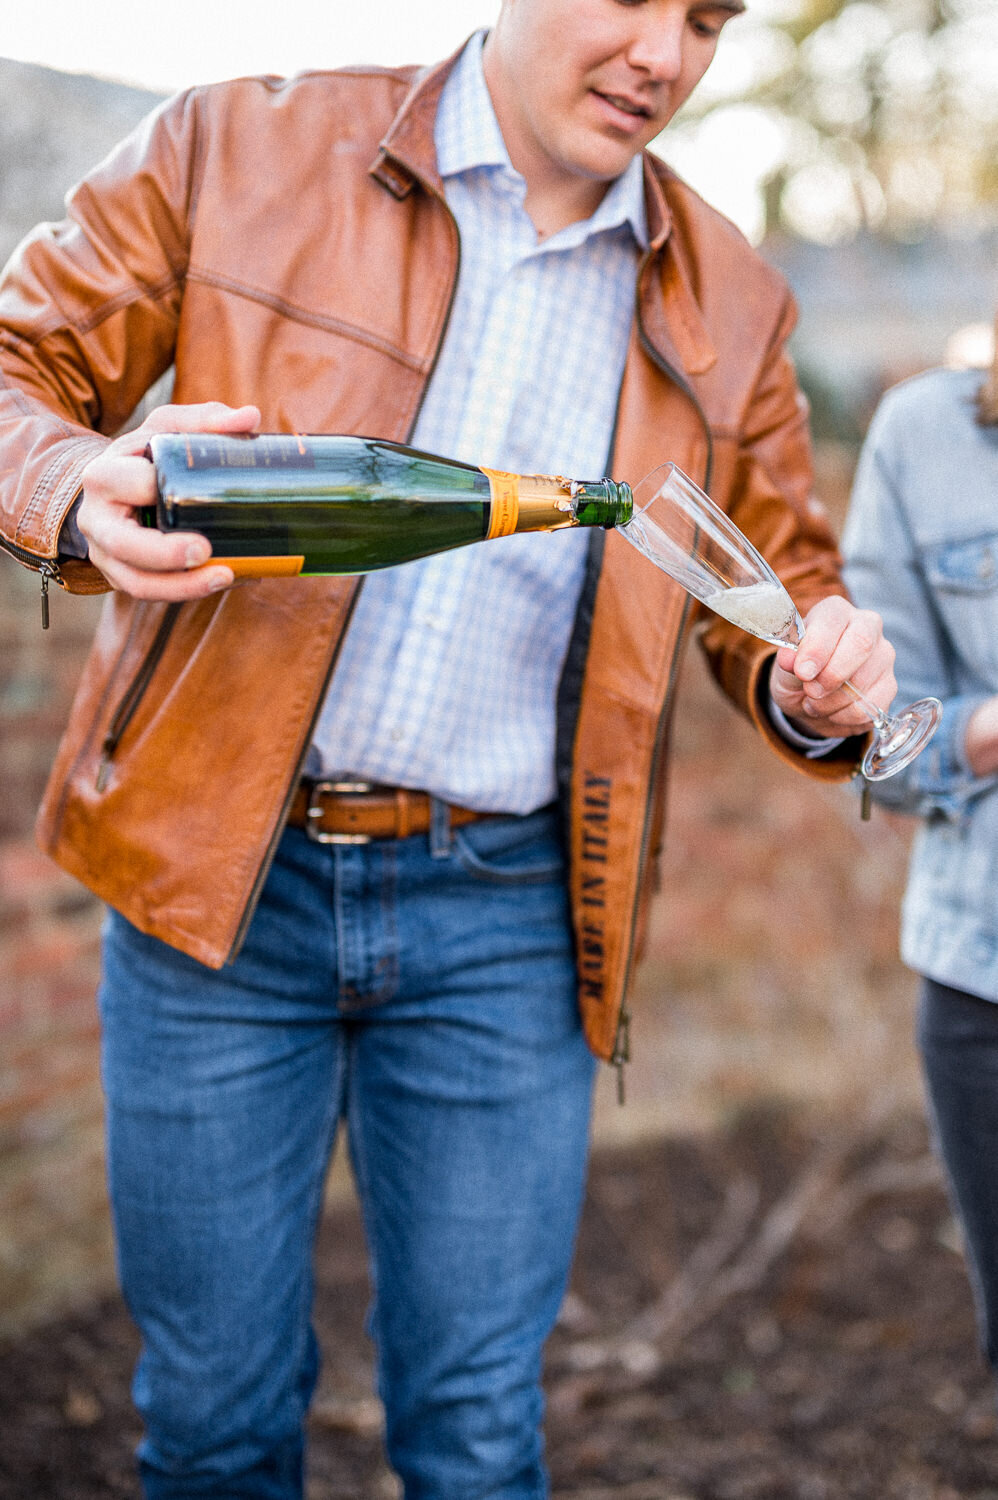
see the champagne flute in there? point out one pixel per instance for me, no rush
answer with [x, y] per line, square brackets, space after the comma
[680, 529]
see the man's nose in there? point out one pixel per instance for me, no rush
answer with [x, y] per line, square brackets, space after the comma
[657, 46]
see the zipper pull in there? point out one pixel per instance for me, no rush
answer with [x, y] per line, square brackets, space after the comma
[48, 571]
[622, 1052]
[104, 765]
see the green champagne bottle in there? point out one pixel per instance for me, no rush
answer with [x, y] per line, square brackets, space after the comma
[287, 505]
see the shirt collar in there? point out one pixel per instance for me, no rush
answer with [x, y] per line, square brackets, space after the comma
[468, 137]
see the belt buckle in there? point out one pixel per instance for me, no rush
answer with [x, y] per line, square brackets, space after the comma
[313, 812]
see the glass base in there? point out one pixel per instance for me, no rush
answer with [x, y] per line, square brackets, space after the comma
[906, 736]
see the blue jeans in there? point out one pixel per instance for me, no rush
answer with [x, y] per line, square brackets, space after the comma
[958, 1038]
[422, 991]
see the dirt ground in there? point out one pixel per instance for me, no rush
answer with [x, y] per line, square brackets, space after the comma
[773, 1311]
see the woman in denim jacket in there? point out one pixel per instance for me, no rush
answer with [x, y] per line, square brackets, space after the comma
[921, 545]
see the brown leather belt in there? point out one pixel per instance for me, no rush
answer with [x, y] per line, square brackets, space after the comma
[355, 812]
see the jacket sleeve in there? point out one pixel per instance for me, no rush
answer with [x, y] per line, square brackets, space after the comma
[883, 570]
[770, 497]
[89, 310]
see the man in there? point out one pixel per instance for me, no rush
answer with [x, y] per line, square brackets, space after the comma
[481, 260]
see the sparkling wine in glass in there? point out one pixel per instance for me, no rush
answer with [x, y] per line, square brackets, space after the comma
[680, 529]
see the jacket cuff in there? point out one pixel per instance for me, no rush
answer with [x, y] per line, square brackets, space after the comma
[813, 745]
[941, 776]
[38, 529]
[72, 542]
[839, 763]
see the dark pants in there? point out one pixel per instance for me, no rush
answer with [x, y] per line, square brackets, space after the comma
[958, 1036]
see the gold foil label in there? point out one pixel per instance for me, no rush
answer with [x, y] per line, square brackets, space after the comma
[262, 567]
[504, 511]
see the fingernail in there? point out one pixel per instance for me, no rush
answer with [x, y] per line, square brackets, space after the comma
[805, 670]
[195, 555]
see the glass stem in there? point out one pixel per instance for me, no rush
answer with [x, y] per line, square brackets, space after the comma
[879, 718]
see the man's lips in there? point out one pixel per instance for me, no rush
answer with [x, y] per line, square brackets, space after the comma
[635, 110]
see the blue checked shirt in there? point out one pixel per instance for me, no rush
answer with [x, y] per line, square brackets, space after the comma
[448, 673]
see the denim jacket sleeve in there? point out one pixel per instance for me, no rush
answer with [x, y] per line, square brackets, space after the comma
[886, 570]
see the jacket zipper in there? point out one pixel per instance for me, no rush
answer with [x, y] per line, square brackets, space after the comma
[621, 1053]
[46, 566]
[129, 703]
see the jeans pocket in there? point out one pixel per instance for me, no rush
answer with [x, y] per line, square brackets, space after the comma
[512, 851]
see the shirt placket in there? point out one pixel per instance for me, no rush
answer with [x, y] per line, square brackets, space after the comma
[427, 662]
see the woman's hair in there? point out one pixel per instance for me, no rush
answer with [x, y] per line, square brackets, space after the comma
[987, 396]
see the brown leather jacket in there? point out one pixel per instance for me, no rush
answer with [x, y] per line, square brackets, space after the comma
[287, 243]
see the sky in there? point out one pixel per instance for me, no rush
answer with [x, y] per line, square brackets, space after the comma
[199, 41]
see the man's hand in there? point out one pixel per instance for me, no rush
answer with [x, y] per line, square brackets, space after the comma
[136, 559]
[840, 642]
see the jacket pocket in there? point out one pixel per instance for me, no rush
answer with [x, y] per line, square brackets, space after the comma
[963, 578]
[968, 567]
[132, 697]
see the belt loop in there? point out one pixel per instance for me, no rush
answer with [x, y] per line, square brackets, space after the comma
[402, 823]
[440, 829]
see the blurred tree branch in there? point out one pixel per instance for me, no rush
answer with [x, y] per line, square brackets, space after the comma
[876, 116]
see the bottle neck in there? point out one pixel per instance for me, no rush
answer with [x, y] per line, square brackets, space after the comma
[548, 502]
[603, 502]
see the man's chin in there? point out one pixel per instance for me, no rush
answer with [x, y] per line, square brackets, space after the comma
[606, 158]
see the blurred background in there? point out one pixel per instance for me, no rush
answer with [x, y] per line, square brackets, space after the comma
[857, 145]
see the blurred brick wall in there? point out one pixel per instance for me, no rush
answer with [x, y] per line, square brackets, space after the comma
[53, 1233]
[54, 1241]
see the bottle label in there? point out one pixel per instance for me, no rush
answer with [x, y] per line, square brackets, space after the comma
[209, 450]
[261, 567]
[504, 511]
